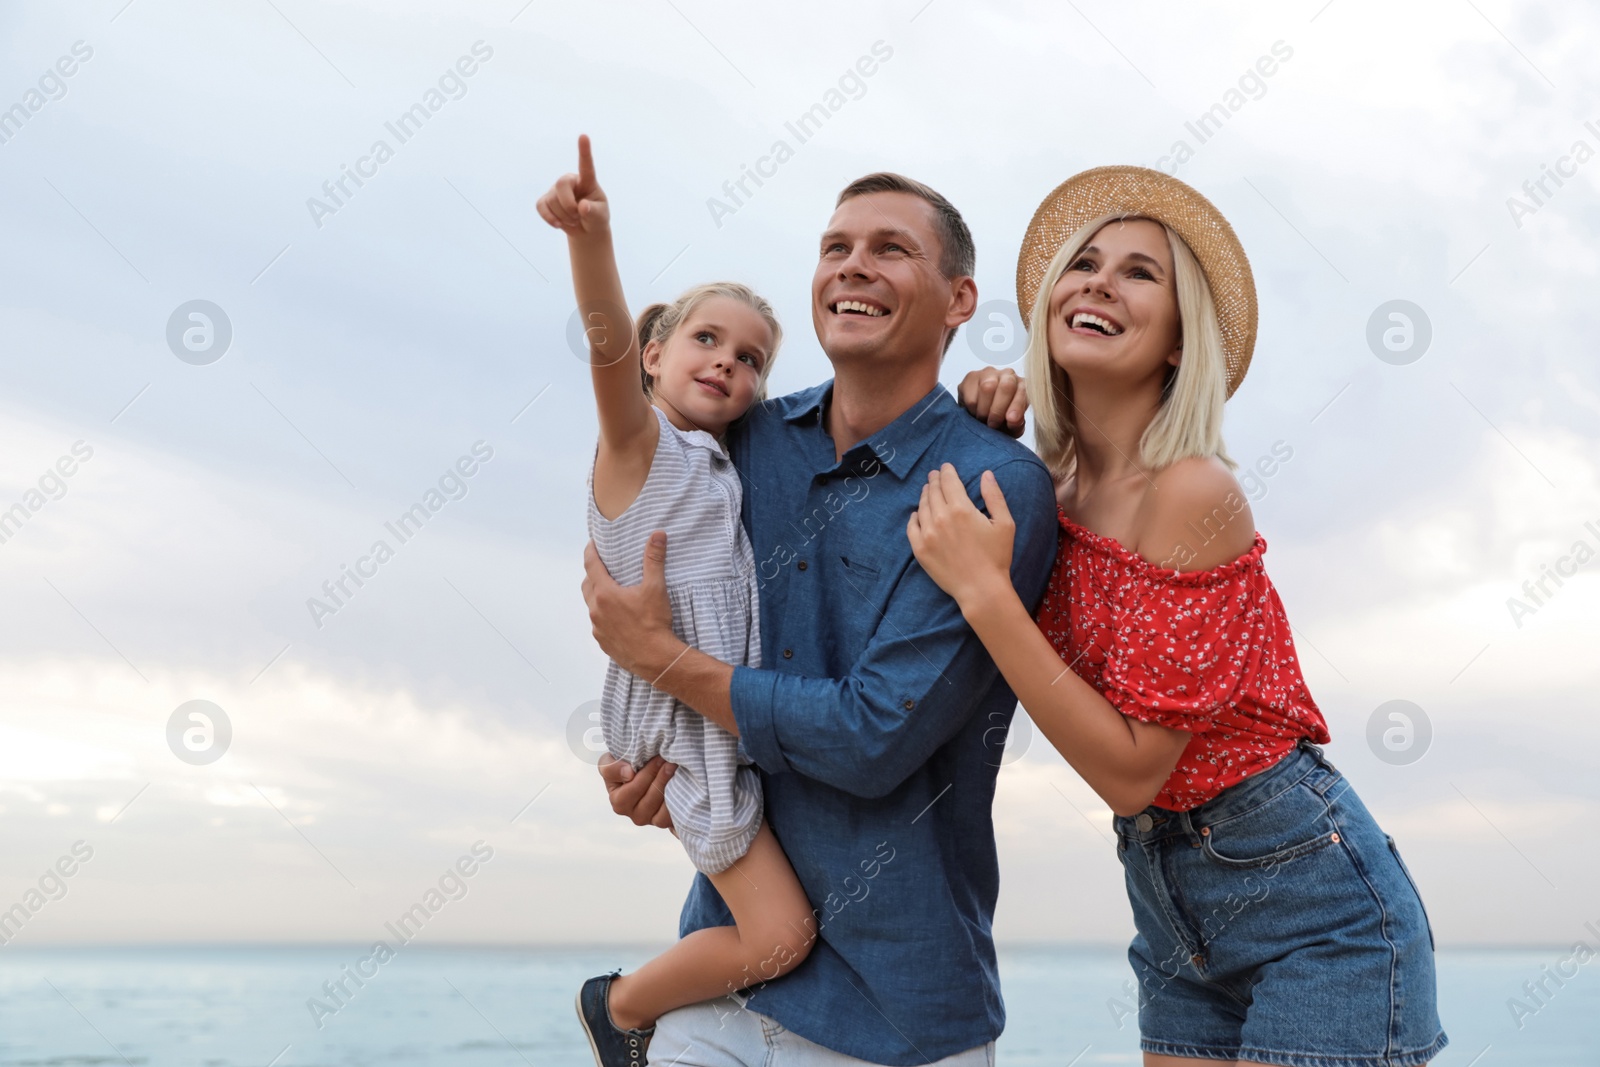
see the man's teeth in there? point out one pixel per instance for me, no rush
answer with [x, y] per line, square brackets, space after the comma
[1083, 318]
[856, 305]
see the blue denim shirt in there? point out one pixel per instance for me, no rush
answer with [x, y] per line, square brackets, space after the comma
[877, 723]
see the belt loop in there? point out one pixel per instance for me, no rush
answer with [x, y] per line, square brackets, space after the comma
[1322, 757]
[1326, 764]
[1186, 820]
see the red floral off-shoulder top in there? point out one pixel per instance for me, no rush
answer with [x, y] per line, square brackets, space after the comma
[1207, 652]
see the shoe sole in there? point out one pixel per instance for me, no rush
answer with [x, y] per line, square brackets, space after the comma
[577, 1003]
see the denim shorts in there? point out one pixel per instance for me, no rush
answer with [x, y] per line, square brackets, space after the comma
[1277, 923]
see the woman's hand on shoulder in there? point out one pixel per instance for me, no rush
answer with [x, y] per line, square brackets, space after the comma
[997, 395]
[1195, 516]
[965, 552]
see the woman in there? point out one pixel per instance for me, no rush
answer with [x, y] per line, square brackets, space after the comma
[1276, 922]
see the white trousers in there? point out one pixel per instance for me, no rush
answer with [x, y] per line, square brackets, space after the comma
[720, 1033]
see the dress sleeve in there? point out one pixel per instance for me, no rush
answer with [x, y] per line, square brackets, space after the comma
[1183, 643]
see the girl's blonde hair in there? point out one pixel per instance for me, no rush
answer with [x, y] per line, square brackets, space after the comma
[658, 322]
[1189, 421]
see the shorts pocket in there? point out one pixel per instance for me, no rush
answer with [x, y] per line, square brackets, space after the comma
[1293, 824]
[1271, 859]
[1412, 882]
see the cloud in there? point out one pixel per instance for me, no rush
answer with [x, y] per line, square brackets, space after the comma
[370, 354]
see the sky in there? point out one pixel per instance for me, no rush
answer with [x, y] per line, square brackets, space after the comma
[187, 485]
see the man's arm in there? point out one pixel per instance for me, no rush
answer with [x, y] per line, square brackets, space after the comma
[912, 689]
[914, 686]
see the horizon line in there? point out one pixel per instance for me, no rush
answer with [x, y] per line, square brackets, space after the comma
[652, 946]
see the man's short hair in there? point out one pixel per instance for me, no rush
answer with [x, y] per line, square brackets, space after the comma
[958, 257]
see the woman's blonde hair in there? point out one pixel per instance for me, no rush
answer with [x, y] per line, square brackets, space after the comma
[1189, 421]
[658, 322]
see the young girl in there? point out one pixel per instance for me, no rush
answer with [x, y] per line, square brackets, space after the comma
[702, 361]
[1276, 922]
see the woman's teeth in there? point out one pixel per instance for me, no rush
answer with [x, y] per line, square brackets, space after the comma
[1095, 322]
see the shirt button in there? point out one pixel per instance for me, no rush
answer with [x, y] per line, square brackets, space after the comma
[801, 565]
[908, 705]
[1144, 823]
[788, 653]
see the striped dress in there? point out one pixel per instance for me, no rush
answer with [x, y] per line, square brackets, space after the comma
[693, 493]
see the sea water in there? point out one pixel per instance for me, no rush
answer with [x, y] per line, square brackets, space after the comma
[232, 1006]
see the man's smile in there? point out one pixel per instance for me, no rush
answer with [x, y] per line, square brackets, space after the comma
[857, 306]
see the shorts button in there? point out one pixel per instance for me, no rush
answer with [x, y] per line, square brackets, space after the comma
[1144, 823]
[788, 653]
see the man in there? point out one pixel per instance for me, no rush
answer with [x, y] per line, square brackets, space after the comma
[879, 719]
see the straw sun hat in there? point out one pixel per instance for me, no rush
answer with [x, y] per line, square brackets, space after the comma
[1086, 196]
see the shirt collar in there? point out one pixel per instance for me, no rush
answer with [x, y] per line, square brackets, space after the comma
[898, 445]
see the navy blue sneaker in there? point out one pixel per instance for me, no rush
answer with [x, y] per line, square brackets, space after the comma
[612, 1045]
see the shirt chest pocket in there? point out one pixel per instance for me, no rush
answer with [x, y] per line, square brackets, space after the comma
[857, 593]
[858, 569]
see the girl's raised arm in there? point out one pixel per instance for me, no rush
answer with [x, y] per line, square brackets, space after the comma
[576, 205]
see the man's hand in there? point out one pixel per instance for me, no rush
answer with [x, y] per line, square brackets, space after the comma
[633, 623]
[639, 794]
[997, 395]
[575, 203]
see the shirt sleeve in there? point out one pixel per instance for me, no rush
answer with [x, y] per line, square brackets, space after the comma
[1182, 646]
[917, 682]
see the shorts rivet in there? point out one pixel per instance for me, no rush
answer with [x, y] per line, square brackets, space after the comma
[1334, 838]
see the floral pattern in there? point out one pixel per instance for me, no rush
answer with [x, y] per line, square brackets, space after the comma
[1208, 652]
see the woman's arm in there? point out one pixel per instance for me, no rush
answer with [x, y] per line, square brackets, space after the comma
[969, 555]
[998, 396]
[1124, 760]
[578, 207]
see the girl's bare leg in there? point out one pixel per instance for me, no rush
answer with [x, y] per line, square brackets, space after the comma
[774, 932]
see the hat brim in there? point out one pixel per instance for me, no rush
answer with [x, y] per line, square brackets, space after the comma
[1123, 190]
